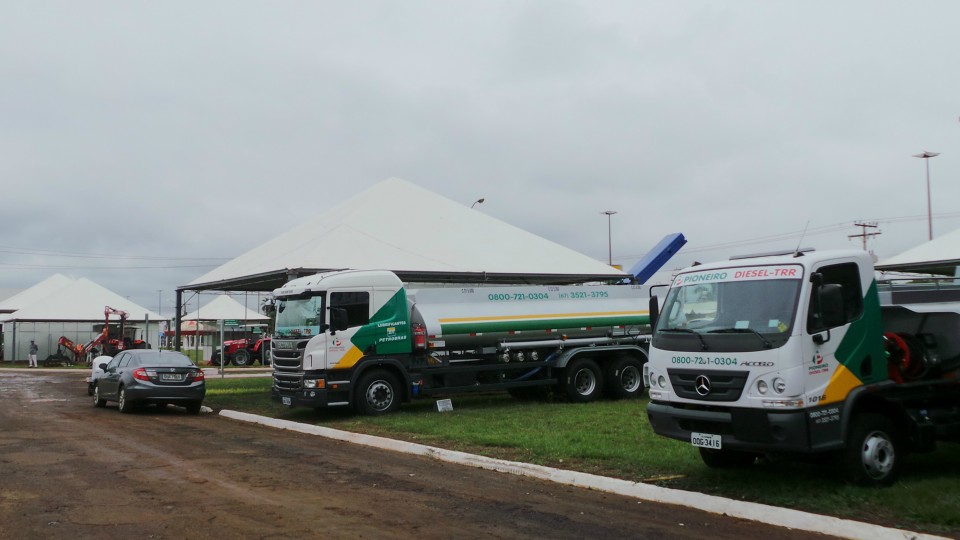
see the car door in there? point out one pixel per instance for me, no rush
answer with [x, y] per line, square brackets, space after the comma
[109, 382]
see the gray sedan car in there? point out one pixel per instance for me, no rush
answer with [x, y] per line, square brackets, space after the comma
[140, 376]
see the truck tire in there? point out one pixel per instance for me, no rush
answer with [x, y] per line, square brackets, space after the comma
[624, 378]
[242, 358]
[873, 452]
[377, 393]
[726, 459]
[582, 381]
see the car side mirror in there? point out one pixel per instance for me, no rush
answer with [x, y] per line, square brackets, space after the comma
[103, 366]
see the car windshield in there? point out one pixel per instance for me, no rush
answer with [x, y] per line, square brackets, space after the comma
[300, 316]
[759, 301]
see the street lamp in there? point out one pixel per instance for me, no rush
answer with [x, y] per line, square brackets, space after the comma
[478, 201]
[609, 236]
[926, 156]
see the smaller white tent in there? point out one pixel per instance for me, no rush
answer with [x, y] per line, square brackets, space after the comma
[937, 253]
[80, 300]
[224, 308]
[74, 310]
[39, 291]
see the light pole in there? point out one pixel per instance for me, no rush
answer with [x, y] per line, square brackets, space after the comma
[478, 201]
[926, 156]
[609, 213]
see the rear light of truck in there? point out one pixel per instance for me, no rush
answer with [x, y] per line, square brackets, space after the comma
[419, 337]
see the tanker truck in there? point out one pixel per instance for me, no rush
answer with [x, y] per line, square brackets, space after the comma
[805, 355]
[362, 339]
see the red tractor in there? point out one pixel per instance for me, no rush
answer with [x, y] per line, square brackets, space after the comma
[110, 345]
[243, 352]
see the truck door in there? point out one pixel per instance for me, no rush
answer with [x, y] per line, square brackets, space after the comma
[842, 345]
[342, 353]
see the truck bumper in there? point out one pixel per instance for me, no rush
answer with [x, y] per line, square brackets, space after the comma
[740, 429]
[312, 397]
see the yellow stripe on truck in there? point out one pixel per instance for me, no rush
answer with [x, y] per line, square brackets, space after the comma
[840, 385]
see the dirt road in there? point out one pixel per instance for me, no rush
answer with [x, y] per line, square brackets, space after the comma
[69, 470]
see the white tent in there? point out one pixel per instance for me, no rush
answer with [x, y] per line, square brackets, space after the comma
[80, 300]
[225, 308]
[419, 235]
[29, 296]
[74, 310]
[937, 253]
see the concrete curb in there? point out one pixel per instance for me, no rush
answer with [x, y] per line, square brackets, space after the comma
[772, 515]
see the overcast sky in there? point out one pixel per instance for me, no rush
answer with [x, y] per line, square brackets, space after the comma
[144, 143]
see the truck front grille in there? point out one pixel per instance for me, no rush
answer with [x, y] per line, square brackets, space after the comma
[720, 385]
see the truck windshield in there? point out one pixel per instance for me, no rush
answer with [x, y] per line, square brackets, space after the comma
[725, 311]
[300, 316]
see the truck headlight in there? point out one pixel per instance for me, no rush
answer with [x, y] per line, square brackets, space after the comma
[314, 383]
[779, 385]
[661, 381]
[762, 386]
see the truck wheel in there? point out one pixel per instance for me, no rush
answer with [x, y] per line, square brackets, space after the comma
[242, 358]
[582, 380]
[624, 378]
[873, 451]
[726, 459]
[377, 393]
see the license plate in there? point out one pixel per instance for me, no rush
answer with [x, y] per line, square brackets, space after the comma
[705, 440]
[286, 401]
[171, 377]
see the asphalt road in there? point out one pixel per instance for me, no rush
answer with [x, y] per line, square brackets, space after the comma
[70, 470]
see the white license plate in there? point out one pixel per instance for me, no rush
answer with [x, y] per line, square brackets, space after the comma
[286, 401]
[705, 440]
[171, 377]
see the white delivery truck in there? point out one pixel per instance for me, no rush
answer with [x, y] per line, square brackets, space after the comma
[361, 338]
[804, 354]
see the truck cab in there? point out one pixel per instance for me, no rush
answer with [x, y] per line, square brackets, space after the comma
[789, 354]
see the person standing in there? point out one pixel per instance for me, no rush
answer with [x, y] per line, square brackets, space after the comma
[33, 354]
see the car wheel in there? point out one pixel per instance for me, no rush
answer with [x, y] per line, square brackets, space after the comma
[123, 403]
[624, 377]
[726, 459]
[873, 452]
[194, 407]
[582, 381]
[378, 392]
[242, 358]
[97, 402]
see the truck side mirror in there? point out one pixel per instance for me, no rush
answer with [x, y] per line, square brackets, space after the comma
[654, 311]
[338, 319]
[832, 310]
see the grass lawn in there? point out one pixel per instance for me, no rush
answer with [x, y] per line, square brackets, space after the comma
[613, 438]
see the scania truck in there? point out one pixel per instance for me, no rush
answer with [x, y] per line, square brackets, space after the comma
[805, 355]
[362, 339]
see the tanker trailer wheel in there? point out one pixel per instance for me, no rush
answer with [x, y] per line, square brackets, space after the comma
[582, 381]
[624, 378]
[242, 358]
[873, 452]
[377, 392]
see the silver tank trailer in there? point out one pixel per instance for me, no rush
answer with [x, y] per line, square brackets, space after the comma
[472, 317]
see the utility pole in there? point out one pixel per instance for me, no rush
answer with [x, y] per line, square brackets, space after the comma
[864, 234]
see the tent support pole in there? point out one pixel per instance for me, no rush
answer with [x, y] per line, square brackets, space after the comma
[176, 326]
